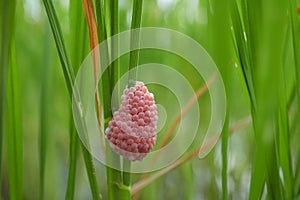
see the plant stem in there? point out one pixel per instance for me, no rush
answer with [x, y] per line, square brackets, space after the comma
[14, 130]
[225, 157]
[46, 77]
[73, 161]
[133, 62]
[126, 172]
[134, 40]
[7, 28]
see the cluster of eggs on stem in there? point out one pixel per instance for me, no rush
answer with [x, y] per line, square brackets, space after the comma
[132, 130]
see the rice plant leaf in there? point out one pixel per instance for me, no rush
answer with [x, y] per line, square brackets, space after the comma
[14, 130]
[283, 138]
[60, 44]
[115, 69]
[134, 39]
[7, 29]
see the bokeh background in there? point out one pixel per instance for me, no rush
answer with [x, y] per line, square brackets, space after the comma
[45, 106]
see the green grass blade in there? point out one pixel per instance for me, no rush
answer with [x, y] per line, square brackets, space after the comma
[225, 158]
[46, 75]
[78, 38]
[70, 78]
[100, 20]
[294, 19]
[134, 40]
[221, 52]
[188, 177]
[107, 16]
[14, 136]
[77, 54]
[267, 59]
[283, 138]
[243, 47]
[258, 178]
[297, 178]
[74, 145]
[60, 45]
[7, 29]
[115, 71]
[296, 44]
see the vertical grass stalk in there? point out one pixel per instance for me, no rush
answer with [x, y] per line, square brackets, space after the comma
[46, 75]
[78, 41]
[14, 130]
[134, 40]
[70, 78]
[221, 51]
[7, 29]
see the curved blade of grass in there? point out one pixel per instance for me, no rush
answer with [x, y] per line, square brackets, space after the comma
[78, 41]
[267, 49]
[242, 44]
[70, 78]
[7, 29]
[296, 48]
[60, 45]
[14, 130]
[134, 39]
[243, 54]
[225, 158]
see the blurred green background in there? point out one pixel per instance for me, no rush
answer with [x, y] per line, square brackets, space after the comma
[260, 73]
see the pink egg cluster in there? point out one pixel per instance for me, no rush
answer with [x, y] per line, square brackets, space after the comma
[132, 130]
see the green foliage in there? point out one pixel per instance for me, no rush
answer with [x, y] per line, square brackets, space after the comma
[14, 130]
[70, 78]
[255, 45]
